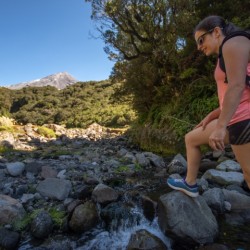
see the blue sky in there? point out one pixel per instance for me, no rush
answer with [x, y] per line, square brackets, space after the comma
[44, 37]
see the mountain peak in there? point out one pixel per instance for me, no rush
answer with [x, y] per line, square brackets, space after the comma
[59, 80]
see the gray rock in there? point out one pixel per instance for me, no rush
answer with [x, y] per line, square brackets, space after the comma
[31, 177]
[122, 152]
[155, 160]
[104, 194]
[33, 167]
[202, 184]
[84, 217]
[142, 239]
[8, 239]
[238, 189]
[229, 165]
[10, 209]
[187, 218]
[227, 206]
[15, 168]
[177, 165]
[54, 188]
[239, 202]
[181, 159]
[129, 157]
[207, 164]
[27, 197]
[217, 154]
[59, 242]
[215, 199]
[42, 225]
[142, 160]
[48, 172]
[224, 178]
[65, 157]
[61, 174]
[113, 163]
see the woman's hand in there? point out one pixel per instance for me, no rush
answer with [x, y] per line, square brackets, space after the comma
[216, 139]
[204, 122]
[210, 117]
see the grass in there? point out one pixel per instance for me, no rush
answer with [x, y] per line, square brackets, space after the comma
[7, 128]
[46, 132]
[57, 217]
[122, 169]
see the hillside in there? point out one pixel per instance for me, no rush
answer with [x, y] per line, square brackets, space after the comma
[77, 105]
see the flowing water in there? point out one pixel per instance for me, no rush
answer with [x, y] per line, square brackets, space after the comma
[117, 235]
[117, 238]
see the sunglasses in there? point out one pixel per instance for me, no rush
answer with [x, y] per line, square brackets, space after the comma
[201, 38]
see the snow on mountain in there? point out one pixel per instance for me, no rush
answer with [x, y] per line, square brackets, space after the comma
[59, 80]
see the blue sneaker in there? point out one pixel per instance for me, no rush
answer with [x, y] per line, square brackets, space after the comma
[180, 184]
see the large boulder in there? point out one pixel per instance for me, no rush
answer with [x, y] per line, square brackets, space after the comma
[228, 166]
[84, 217]
[41, 225]
[223, 178]
[104, 194]
[239, 202]
[54, 188]
[187, 219]
[215, 199]
[10, 209]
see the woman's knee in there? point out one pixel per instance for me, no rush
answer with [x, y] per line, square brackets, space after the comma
[190, 138]
[196, 137]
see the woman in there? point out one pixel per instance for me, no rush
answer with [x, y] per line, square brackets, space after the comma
[230, 123]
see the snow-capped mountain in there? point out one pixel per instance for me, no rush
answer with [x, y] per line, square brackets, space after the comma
[60, 81]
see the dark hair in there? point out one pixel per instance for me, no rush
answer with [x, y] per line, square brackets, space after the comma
[211, 22]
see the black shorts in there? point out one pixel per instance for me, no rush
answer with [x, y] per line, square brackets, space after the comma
[239, 133]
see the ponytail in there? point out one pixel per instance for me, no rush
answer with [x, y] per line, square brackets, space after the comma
[211, 22]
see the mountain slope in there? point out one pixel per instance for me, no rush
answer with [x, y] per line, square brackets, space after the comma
[60, 81]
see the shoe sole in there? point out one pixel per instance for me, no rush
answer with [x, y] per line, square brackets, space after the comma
[193, 195]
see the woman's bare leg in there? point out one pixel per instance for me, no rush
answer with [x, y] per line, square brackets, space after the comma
[242, 154]
[194, 139]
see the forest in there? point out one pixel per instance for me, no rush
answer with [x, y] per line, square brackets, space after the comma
[160, 86]
[78, 105]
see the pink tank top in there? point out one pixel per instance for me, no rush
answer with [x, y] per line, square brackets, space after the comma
[243, 110]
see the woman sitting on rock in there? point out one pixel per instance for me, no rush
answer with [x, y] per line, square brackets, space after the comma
[230, 123]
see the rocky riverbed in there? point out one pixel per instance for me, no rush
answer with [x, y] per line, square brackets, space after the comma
[93, 189]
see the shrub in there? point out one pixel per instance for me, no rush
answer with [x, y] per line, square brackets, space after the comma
[6, 122]
[46, 132]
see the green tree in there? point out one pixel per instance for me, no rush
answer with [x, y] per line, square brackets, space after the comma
[145, 38]
[157, 60]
